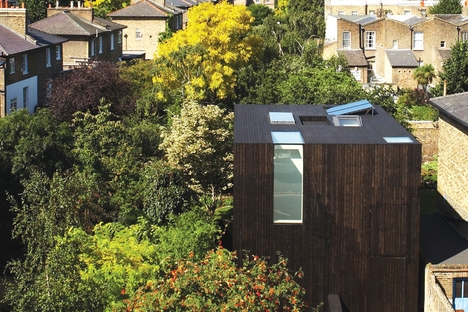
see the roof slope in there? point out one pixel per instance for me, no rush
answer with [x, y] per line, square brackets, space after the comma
[148, 9]
[252, 125]
[44, 39]
[454, 106]
[68, 24]
[355, 57]
[401, 58]
[12, 43]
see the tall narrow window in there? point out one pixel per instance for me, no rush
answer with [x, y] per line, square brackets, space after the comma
[395, 44]
[464, 35]
[25, 97]
[25, 64]
[100, 44]
[48, 57]
[138, 34]
[119, 37]
[288, 167]
[418, 40]
[370, 39]
[12, 65]
[92, 47]
[112, 42]
[13, 104]
[346, 39]
[58, 53]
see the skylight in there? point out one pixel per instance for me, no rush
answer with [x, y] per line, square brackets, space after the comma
[284, 118]
[347, 121]
[287, 137]
[350, 108]
[398, 140]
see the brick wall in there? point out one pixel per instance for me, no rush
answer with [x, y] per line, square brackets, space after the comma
[427, 133]
[452, 179]
[437, 283]
[149, 29]
[14, 19]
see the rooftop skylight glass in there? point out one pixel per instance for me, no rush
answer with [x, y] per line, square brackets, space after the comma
[398, 140]
[287, 137]
[282, 118]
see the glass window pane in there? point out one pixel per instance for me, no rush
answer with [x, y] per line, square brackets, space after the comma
[287, 137]
[287, 194]
[458, 289]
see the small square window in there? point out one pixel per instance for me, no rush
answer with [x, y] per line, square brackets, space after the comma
[354, 12]
[372, 12]
[442, 44]
[341, 13]
[407, 12]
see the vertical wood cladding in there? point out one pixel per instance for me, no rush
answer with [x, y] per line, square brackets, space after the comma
[360, 235]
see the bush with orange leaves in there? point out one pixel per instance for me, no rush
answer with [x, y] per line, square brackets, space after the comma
[217, 284]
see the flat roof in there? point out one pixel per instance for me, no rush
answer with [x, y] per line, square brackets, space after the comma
[252, 125]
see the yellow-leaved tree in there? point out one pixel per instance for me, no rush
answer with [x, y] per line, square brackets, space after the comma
[104, 7]
[201, 61]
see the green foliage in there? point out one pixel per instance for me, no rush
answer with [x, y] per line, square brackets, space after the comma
[117, 269]
[103, 7]
[164, 192]
[429, 171]
[199, 142]
[424, 75]
[454, 71]
[259, 13]
[216, 284]
[103, 150]
[193, 232]
[413, 105]
[37, 9]
[446, 7]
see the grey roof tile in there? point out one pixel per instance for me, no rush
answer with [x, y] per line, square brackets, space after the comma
[401, 58]
[454, 106]
[44, 39]
[12, 43]
[355, 57]
[143, 9]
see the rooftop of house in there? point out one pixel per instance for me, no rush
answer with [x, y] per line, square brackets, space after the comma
[353, 123]
[12, 43]
[44, 39]
[68, 24]
[454, 106]
[456, 19]
[355, 57]
[402, 58]
[145, 9]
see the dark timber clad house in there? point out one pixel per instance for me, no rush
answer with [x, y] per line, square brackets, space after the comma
[336, 191]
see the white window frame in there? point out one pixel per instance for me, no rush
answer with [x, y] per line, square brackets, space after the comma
[370, 38]
[25, 96]
[58, 54]
[25, 64]
[346, 39]
[12, 65]
[357, 74]
[119, 37]
[48, 58]
[138, 34]
[443, 44]
[354, 12]
[14, 104]
[395, 44]
[112, 44]
[407, 12]
[372, 12]
[100, 44]
[341, 13]
[418, 37]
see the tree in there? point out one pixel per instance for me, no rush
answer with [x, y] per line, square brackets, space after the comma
[446, 7]
[37, 9]
[454, 71]
[259, 13]
[216, 284]
[82, 90]
[202, 60]
[199, 142]
[104, 7]
[424, 75]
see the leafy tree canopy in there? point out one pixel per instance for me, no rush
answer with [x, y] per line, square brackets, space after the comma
[259, 13]
[216, 284]
[454, 71]
[202, 60]
[199, 142]
[82, 90]
[104, 7]
[424, 75]
[446, 7]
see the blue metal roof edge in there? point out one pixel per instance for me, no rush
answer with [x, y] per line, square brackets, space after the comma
[349, 108]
